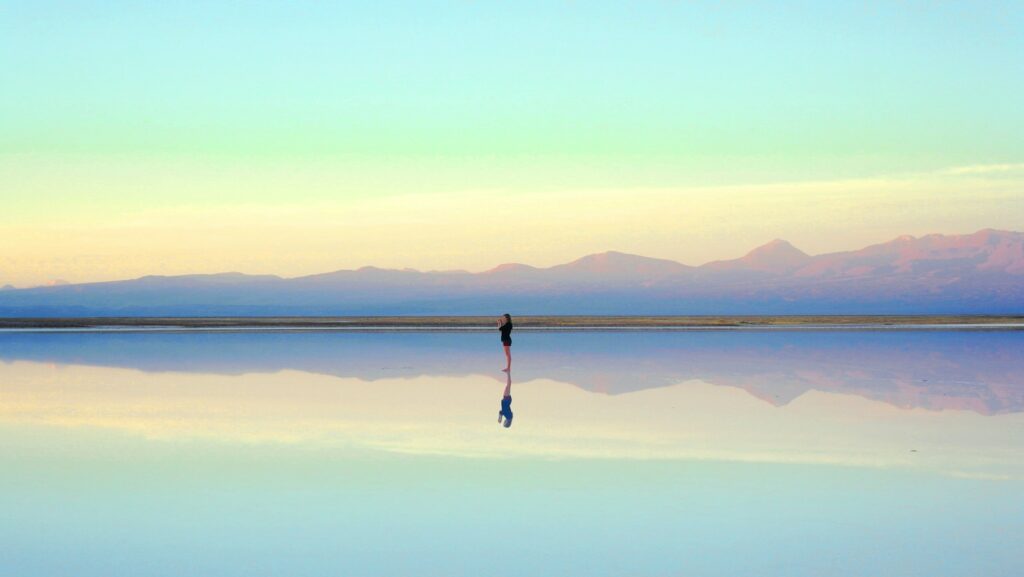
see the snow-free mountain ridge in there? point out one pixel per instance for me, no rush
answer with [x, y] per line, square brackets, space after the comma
[950, 274]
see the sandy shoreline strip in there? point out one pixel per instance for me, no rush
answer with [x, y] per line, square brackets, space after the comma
[865, 322]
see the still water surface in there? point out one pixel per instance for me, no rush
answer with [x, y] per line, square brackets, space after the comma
[630, 453]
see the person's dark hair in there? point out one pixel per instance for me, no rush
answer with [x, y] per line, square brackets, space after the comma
[508, 317]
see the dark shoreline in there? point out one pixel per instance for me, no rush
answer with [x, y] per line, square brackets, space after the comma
[522, 322]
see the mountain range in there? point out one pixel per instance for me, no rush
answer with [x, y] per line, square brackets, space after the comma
[979, 273]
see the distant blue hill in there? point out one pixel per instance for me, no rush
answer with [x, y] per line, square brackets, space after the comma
[980, 273]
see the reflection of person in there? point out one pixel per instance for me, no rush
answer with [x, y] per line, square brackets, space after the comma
[506, 403]
[505, 326]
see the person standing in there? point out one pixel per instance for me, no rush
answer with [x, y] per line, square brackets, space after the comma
[505, 326]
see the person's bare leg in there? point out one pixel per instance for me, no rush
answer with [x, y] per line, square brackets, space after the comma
[508, 358]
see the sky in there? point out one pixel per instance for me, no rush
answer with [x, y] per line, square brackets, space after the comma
[301, 137]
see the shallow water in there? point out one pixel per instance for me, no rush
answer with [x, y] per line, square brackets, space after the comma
[630, 453]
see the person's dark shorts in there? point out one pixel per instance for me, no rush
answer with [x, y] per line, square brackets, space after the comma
[506, 342]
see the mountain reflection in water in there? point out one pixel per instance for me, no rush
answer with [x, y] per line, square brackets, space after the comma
[979, 371]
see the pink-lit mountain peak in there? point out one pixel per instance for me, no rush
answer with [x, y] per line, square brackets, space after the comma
[776, 252]
[613, 263]
[777, 256]
[984, 250]
[983, 239]
[984, 245]
[510, 268]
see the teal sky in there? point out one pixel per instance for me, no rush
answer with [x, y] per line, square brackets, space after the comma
[867, 85]
[105, 103]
